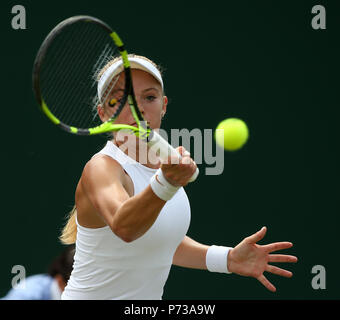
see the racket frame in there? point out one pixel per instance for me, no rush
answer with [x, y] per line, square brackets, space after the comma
[143, 131]
[107, 125]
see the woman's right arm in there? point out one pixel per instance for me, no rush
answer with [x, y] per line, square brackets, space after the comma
[128, 217]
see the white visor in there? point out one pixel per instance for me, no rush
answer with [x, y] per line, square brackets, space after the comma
[117, 67]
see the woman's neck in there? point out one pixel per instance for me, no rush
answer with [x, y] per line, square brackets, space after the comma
[139, 151]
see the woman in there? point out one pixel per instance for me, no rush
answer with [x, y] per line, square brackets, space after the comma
[132, 216]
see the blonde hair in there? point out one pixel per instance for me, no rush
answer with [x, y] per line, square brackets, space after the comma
[69, 232]
[130, 55]
[113, 60]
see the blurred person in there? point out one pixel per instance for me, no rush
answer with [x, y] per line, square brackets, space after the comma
[47, 286]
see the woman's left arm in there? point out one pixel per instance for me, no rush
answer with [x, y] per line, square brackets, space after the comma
[191, 254]
[247, 259]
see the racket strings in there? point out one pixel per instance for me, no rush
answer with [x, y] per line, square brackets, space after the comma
[83, 117]
[67, 75]
[58, 56]
[106, 56]
[82, 81]
[62, 74]
[108, 89]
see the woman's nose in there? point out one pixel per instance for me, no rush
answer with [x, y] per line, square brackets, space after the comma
[140, 107]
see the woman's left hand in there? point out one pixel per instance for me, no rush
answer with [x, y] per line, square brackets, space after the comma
[250, 259]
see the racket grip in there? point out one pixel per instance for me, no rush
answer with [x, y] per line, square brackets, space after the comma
[165, 150]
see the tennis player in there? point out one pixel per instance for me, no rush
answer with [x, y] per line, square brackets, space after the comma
[131, 217]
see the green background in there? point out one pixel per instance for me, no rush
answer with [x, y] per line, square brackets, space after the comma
[257, 60]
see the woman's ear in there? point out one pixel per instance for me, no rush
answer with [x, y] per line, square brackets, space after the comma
[101, 112]
[165, 103]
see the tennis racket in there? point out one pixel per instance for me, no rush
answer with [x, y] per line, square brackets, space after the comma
[65, 86]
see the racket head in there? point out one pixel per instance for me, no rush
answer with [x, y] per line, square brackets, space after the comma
[65, 71]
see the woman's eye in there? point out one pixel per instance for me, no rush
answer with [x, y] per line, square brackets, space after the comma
[150, 98]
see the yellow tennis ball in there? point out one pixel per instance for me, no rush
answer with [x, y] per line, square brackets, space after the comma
[234, 134]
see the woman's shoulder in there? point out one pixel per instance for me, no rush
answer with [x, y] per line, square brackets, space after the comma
[102, 171]
[102, 162]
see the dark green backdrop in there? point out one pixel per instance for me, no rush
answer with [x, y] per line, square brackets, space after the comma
[257, 60]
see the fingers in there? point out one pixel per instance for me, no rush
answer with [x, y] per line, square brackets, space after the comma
[281, 258]
[277, 246]
[174, 159]
[259, 235]
[179, 171]
[274, 270]
[183, 152]
[186, 158]
[278, 271]
[266, 283]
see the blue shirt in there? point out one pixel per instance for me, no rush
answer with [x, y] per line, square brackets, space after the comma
[37, 287]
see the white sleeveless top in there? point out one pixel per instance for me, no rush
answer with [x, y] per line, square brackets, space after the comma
[105, 267]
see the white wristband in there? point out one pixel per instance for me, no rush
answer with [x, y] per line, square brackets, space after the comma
[161, 187]
[217, 259]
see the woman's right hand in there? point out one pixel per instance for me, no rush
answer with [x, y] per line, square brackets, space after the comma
[178, 172]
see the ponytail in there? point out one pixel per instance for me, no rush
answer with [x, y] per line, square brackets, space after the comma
[69, 233]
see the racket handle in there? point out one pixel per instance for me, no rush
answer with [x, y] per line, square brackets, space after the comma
[166, 150]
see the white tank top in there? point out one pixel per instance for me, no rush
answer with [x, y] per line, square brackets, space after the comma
[105, 267]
